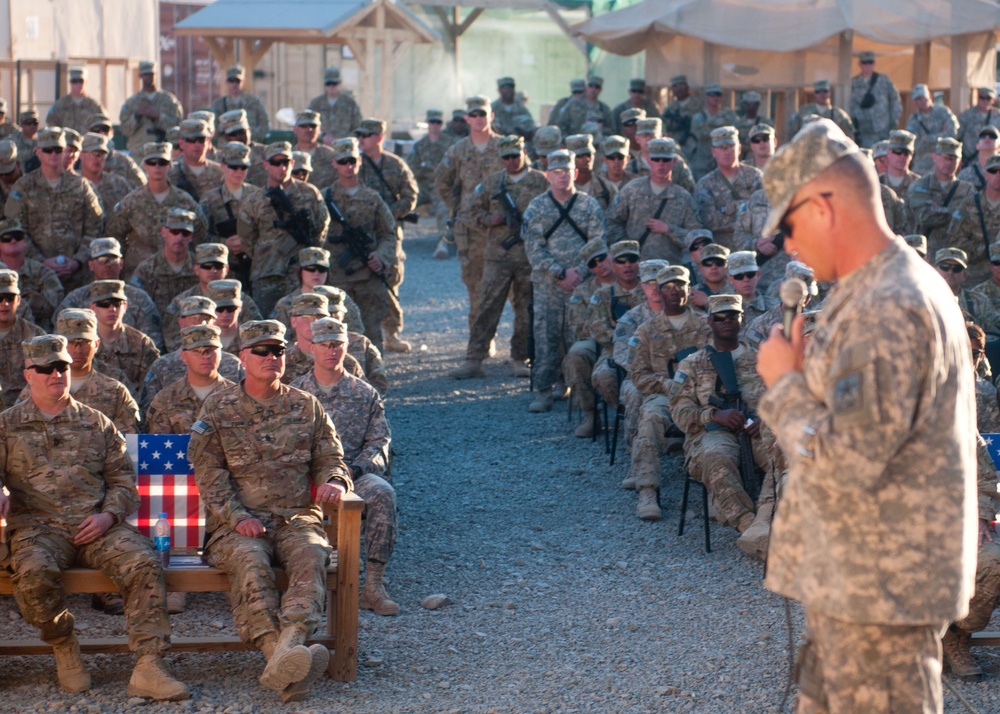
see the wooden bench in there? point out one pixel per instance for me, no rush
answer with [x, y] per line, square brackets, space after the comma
[343, 529]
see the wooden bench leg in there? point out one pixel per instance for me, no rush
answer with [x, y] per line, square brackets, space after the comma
[342, 605]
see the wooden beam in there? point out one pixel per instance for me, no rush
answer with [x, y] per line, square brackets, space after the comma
[921, 63]
[467, 22]
[842, 89]
[553, 13]
[447, 26]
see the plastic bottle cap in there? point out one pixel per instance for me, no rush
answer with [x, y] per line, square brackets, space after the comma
[163, 515]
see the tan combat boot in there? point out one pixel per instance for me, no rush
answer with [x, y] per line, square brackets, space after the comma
[560, 391]
[647, 508]
[542, 402]
[744, 522]
[152, 679]
[176, 603]
[297, 691]
[471, 368]
[393, 343]
[955, 645]
[73, 675]
[754, 540]
[288, 660]
[628, 483]
[108, 603]
[521, 368]
[373, 594]
[587, 426]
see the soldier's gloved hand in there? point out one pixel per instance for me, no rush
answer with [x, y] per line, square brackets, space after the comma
[732, 419]
[250, 528]
[330, 492]
[93, 527]
[235, 244]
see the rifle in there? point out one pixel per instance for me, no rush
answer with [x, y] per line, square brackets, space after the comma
[184, 183]
[239, 263]
[679, 124]
[359, 243]
[298, 224]
[412, 216]
[779, 243]
[512, 216]
[726, 371]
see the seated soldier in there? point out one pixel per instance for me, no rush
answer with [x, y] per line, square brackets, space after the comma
[359, 418]
[358, 346]
[307, 308]
[228, 298]
[122, 347]
[170, 270]
[743, 276]
[14, 330]
[760, 328]
[713, 397]
[987, 405]
[918, 242]
[314, 269]
[41, 290]
[258, 516]
[713, 265]
[952, 265]
[50, 531]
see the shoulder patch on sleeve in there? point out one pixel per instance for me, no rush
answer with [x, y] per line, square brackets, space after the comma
[633, 341]
[201, 427]
[136, 281]
[575, 299]
[17, 195]
[680, 377]
[595, 299]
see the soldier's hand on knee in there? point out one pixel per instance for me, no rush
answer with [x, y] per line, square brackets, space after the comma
[330, 492]
[93, 527]
[250, 528]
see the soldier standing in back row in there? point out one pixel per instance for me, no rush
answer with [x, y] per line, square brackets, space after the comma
[340, 114]
[509, 115]
[821, 106]
[71, 111]
[928, 123]
[236, 98]
[423, 160]
[193, 173]
[703, 124]
[875, 106]
[149, 113]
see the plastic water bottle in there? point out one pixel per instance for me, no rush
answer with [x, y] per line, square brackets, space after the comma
[161, 540]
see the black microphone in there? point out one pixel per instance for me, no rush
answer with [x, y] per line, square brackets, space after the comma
[793, 292]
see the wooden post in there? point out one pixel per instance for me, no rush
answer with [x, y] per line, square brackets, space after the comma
[960, 92]
[343, 664]
[842, 95]
[921, 63]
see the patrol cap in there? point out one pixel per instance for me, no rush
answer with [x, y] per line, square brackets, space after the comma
[234, 153]
[195, 336]
[307, 117]
[147, 67]
[256, 331]
[725, 303]
[995, 250]
[505, 82]
[648, 269]
[93, 143]
[236, 71]
[478, 103]
[302, 161]
[46, 349]
[625, 247]
[662, 148]
[278, 148]
[714, 250]
[562, 159]
[8, 156]
[759, 129]
[698, 234]
[615, 144]
[880, 149]
[334, 295]
[821, 85]
[107, 290]
[314, 256]
[511, 145]
[331, 75]
[901, 139]
[866, 56]
[10, 225]
[750, 97]
[993, 161]
[991, 130]
[434, 115]
[713, 88]
[725, 136]
[99, 247]
[678, 79]
[952, 255]
[458, 114]
[798, 269]
[638, 84]
[345, 148]
[73, 139]
[180, 219]
[233, 121]
[649, 125]
[9, 283]
[51, 136]
[990, 92]
[580, 144]
[632, 115]
[310, 304]
[77, 74]
[920, 90]
[225, 293]
[547, 140]
[77, 324]
[156, 150]
[98, 121]
[673, 274]
[370, 125]
[173, 136]
[596, 81]
[328, 329]
[211, 253]
[196, 305]
[814, 149]
[194, 128]
[577, 85]
[918, 242]
[592, 249]
[946, 146]
[27, 115]
[743, 261]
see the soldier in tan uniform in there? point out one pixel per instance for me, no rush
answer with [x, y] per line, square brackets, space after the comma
[234, 128]
[117, 162]
[14, 330]
[74, 142]
[147, 114]
[898, 175]
[720, 192]
[41, 290]
[307, 308]
[760, 145]
[615, 150]
[359, 347]
[710, 117]
[307, 135]
[170, 270]
[929, 123]
[582, 146]
[423, 159]
[874, 105]
[951, 264]
[511, 117]
[111, 188]
[875, 416]
[85, 524]
[932, 199]
[228, 298]
[121, 347]
[236, 98]
[822, 107]
[744, 274]
[341, 114]
[314, 270]
[10, 168]
[193, 173]
[985, 148]
[249, 525]
[74, 109]
[579, 108]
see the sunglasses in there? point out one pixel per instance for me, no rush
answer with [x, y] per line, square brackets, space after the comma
[110, 302]
[195, 140]
[435, 121]
[268, 350]
[726, 317]
[211, 265]
[315, 269]
[477, 114]
[901, 152]
[995, 263]
[867, 61]
[615, 157]
[12, 237]
[46, 369]
[976, 354]
[988, 135]
[760, 139]
[363, 134]
[157, 162]
[952, 268]
[660, 159]
[821, 91]
[994, 170]
[52, 150]
[180, 232]
[784, 231]
[234, 80]
[698, 246]
[517, 157]
[630, 122]
[583, 155]
[331, 84]
[349, 161]
[745, 276]
[8, 297]
[592, 263]
[232, 308]
[713, 262]
[237, 167]
[637, 91]
[103, 260]
[594, 86]
[30, 122]
[279, 162]
[627, 259]
[308, 126]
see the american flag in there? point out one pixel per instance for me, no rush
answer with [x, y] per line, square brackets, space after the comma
[993, 444]
[166, 483]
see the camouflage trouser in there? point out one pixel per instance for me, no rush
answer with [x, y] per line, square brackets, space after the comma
[268, 290]
[846, 668]
[380, 525]
[302, 550]
[650, 441]
[501, 280]
[713, 458]
[577, 366]
[38, 557]
[632, 400]
[471, 245]
[604, 378]
[392, 323]
[372, 298]
[987, 596]
[552, 333]
[439, 209]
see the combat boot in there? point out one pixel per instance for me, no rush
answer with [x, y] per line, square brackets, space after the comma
[288, 660]
[587, 426]
[297, 691]
[373, 594]
[108, 603]
[393, 343]
[73, 675]
[560, 391]
[471, 368]
[628, 483]
[542, 402]
[176, 603]
[648, 509]
[955, 646]
[754, 539]
[441, 252]
[520, 367]
[151, 679]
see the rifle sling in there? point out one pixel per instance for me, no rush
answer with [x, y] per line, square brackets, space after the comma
[656, 216]
[564, 216]
[982, 222]
[725, 368]
[366, 159]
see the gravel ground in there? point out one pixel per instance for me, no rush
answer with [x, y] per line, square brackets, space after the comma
[563, 600]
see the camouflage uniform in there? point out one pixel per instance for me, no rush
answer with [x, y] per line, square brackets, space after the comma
[235, 446]
[140, 130]
[12, 360]
[141, 312]
[359, 418]
[965, 232]
[889, 328]
[133, 353]
[174, 409]
[747, 230]
[978, 308]
[171, 329]
[69, 113]
[648, 106]
[97, 477]
[576, 308]
[370, 359]
[136, 222]
[835, 114]
[40, 289]
[623, 353]
[718, 201]
[574, 114]
[970, 123]
[513, 118]
[931, 206]
[973, 174]
[874, 123]
[904, 184]
[169, 368]
[506, 272]
[702, 126]
[894, 208]
[928, 128]
[256, 114]
[600, 188]
[423, 159]
[323, 173]
[681, 175]
[160, 281]
[282, 312]
[991, 290]
[125, 166]
[108, 396]
[111, 189]
[636, 203]
[339, 120]
[195, 185]
[548, 259]
[214, 203]
[987, 408]
[677, 118]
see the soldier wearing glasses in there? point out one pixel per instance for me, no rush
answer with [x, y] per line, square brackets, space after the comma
[339, 113]
[40, 286]
[122, 348]
[193, 172]
[236, 98]
[15, 330]
[720, 192]
[743, 276]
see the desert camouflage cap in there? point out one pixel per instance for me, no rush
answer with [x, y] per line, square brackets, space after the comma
[577, 85]
[345, 148]
[714, 250]
[27, 115]
[637, 84]
[107, 290]
[8, 156]
[94, 143]
[952, 255]
[205, 115]
[99, 121]
[257, 331]
[562, 159]
[698, 234]
[236, 71]
[46, 349]
[673, 274]
[725, 136]
[180, 219]
[77, 73]
[233, 153]
[10, 225]
[329, 329]
[173, 136]
[314, 256]
[648, 269]
[547, 139]
[156, 150]
[331, 74]
[50, 137]
[505, 82]
[458, 114]
[196, 305]
[750, 97]
[759, 129]
[196, 336]
[211, 253]
[920, 90]
[233, 121]
[713, 88]
[307, 117]
[334, 295]
[814, 149]
[880, 149]
[194, 129]
[901, 139]
[821, 85]
[73, 139]
[993, 162]
[147, 67]
[990, 92]
[278, 148]
[678, 79]
[632, 115]
[662, 148]
[595, 80]
[946, 146]
[649, 125]
[225, 293]
[743, 261]
[77, 324]
[615, 144]
[310, 304]
[990, 130]
[434, 115]
[725, 303]
[625, 247]
[867, 56]
[100, 247]
[511, 145]
[478, 103]
[580, 144]
[592, 249]
[302, 161]
[918, 242]
[9, 283]
[798, 269]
